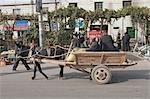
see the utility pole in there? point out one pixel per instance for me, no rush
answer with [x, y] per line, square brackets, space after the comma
[40, 29]
[56, 5]
[57, 33]
[39, 12]
[32, 4]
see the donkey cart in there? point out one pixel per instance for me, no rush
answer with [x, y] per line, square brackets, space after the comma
[97, 64]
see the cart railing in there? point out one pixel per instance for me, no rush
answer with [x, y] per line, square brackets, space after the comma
[96, 58]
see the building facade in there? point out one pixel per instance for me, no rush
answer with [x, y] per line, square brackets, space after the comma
[24, 7]
[123, 24]
[27, 7]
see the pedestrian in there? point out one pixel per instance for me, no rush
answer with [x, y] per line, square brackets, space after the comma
[126, 42]
[118, 41]
[81, 41]
[86, 43]
[75, 41]
[21, 52]
[35, 49]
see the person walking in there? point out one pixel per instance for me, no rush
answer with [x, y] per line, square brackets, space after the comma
[34, 50]
[21, 51]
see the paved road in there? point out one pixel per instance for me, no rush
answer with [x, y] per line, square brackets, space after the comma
[129, 83]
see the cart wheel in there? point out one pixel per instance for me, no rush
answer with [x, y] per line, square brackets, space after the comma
[101, 74]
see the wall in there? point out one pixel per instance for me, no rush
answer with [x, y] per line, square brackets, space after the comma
[26, 8]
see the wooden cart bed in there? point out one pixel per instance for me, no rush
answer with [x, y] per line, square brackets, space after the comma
[111, 59]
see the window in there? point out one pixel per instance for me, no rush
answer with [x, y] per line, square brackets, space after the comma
[98, 5]
[73, 4]
[16, 11]
[127, 3]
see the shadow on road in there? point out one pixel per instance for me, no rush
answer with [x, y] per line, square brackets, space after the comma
[117, 76]
[75, 75]
[122, 76]
[25, 71]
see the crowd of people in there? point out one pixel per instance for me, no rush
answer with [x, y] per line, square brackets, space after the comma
[103, 43]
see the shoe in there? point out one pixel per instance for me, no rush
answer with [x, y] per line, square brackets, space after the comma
[14, 70]
[47, 78]
[33, 78]
[90, 78]
[29, 69]
[61, 78]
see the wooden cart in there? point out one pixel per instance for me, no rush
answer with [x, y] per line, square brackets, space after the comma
[97, 64]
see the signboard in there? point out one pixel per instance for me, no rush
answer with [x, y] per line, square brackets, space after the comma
[21, 25]
[15, 35]
[6, 28]
[131, 32]
[79, 23]
[46, 26]
[54, 26]
[94, 34]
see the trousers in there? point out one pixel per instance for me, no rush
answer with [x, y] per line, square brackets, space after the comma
[23, 61]
[37, 65]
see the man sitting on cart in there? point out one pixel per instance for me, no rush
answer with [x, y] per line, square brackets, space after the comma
[95, 46]
[107, 42]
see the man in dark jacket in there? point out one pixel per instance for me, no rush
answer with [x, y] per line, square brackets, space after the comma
[21, 51]
[107, 43]
[126, 42]
[118, 41]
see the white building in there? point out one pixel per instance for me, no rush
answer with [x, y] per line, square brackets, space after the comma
[27, 7]
[123, 24]
[23, 7]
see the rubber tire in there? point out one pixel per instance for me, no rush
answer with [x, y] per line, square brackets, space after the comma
[104, 72]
